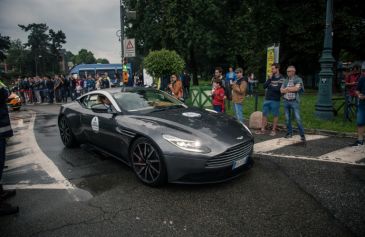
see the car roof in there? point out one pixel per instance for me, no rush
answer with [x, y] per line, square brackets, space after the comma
[127, 89]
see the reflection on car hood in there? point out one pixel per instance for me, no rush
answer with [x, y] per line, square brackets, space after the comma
[200, 122]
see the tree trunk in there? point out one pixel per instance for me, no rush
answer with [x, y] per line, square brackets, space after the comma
[193, 67]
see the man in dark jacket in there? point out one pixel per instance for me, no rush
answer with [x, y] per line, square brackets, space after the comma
[5, 132]
[272, 99]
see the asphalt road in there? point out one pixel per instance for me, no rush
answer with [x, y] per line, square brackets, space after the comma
[79, 192]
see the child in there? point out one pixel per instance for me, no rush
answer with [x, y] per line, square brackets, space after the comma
[218, 96]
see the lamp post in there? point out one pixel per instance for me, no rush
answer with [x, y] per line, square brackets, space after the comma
[324, 106]
[122, 16]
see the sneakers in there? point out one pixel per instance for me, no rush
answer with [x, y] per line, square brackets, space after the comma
[288, 135]
[273, 133]
[259, 132]
[302, 138]
[358, 143]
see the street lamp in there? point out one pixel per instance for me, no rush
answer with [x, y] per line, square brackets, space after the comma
[324, 106]
[122, 15]
[36, 64]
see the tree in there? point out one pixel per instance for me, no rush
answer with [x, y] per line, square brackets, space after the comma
[44, 47]
[17, 56]
[84, 56]
[4, 45]
[102, 60]
[57, 39]
[210, 33]
[163, 62]
[38, 39]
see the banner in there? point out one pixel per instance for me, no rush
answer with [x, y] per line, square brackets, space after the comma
[272, 57]
[270, 60]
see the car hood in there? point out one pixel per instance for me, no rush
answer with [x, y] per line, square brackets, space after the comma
[201, 123]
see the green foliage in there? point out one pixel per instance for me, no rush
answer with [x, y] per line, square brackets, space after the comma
[84, 56]
[210, 33]
[163, 62]
[4, 45]
[102, 60]
[17, 56]
[45, 45]
[307, 114]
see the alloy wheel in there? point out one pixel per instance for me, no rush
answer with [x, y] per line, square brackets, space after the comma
[146, 162]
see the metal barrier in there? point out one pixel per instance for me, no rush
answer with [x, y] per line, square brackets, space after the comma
[201, 96]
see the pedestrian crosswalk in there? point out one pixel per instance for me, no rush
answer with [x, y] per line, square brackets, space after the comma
[316, 148]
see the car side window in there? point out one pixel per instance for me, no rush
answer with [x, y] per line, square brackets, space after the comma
[83, 101]
[92, 100]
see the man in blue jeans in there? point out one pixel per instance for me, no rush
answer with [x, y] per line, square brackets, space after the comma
[238, 94]
[272, 99]
[360, 121]
[291, 88]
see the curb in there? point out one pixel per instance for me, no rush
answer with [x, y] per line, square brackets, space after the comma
[316, 131]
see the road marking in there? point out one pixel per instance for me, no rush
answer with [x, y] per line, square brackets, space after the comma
[37, 160]
[277, 143]
[347, 155]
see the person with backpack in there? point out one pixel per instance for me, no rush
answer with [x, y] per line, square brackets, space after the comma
[292, 87]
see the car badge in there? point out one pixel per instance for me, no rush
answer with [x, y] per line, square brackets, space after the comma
[191, 115]
[239, 138]
[95, 124]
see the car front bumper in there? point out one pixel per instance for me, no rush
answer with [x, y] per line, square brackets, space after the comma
[194, 171]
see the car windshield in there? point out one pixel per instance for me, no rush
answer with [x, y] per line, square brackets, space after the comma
[146, 101]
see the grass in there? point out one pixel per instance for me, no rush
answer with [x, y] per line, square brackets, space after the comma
[308, 101]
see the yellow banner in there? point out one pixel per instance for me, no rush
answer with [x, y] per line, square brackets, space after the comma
[270, 60]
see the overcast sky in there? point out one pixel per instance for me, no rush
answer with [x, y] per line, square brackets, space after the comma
[90, 24]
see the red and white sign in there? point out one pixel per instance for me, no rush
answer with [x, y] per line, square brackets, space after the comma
[129, 48]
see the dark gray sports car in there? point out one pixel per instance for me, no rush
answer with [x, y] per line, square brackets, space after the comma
[160, 137]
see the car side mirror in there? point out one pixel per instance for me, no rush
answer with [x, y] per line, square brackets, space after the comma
[99, 108]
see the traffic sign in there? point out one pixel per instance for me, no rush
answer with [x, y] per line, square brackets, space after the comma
[129, 48]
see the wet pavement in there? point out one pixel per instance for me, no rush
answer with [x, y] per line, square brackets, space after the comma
[80, 192]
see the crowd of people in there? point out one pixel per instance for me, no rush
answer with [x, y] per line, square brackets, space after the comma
[235, 87]
[60, 89]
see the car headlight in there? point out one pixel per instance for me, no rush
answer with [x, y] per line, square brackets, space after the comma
[244, 125]
[187, 145]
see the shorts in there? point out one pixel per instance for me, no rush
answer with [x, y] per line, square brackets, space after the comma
[272, 106]
[360, 121]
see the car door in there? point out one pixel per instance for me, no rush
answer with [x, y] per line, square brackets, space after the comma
[87, 117]
[102, 132]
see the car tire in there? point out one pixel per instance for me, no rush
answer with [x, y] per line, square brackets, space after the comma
[67, 136]
[148, 163]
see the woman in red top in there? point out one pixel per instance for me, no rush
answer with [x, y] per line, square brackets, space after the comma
[218, 96]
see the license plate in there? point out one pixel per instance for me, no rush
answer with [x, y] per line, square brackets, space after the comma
[240, 162]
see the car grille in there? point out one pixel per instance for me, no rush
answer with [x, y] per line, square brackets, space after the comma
[232, 154]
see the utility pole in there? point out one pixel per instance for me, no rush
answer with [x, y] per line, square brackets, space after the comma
[324, 106]
[122, 16]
